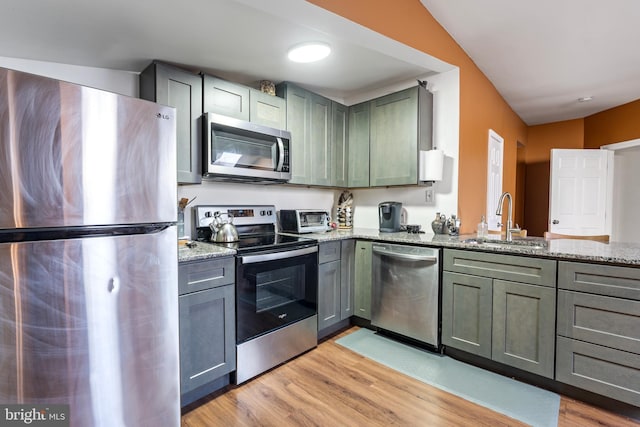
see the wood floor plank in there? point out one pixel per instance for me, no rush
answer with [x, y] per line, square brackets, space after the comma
[334, 386]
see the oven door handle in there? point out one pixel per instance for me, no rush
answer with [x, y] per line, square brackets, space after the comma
[252, 259]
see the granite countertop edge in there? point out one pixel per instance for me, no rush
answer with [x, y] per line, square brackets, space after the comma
[618, 253]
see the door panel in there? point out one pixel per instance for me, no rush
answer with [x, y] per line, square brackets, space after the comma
[92, 323]
[581, 191]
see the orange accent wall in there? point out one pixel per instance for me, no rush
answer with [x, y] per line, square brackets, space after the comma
[541, 139]
[617, 124]
[481, 106]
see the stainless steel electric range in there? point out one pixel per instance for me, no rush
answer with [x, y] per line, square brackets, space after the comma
[276, 287]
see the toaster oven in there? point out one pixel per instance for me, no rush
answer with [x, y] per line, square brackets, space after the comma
[304, 221]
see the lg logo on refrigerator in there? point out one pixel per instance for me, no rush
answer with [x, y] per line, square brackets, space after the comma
[163, 116]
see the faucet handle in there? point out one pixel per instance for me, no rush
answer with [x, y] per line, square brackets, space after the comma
[499, 225]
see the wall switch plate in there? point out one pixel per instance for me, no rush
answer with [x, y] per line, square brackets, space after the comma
[429, 196]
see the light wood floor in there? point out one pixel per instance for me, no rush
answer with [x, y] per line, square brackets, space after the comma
[333, 386]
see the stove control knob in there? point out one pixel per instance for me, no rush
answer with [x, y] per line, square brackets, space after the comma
[208, 214]
[262, 213]
[269, 213]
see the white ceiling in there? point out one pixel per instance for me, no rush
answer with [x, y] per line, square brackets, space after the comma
[543, 55]
[540, 55]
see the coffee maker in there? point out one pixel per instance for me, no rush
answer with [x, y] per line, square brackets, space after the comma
[389, 214]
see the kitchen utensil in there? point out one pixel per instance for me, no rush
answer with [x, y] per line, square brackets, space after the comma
[223, 231]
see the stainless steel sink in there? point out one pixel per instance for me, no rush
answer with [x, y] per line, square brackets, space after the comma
[528, 242]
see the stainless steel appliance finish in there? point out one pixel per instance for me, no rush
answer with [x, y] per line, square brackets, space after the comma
[263, 353]
[276, 288]
[88, 259]
[242, 151]
[389, 215]
[405, 291]
[304, 220]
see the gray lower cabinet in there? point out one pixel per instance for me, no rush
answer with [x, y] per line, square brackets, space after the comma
[598, 329]
[501, 307]
[335, 282]
[362, 282]
[207, 325]
[182, 90]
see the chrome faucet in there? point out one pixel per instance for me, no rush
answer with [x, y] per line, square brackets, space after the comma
[510, 229]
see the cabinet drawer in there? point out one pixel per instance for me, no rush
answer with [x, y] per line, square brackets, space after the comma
[623, 282]
[506, 267]
[198, 275]
[329, 251]
[612, 322]
[602, 370]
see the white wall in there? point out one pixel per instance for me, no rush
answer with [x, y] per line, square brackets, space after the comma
[626, 201]
[122, 82]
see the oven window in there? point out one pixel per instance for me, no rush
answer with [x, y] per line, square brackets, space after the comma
[274, 293]
[279, 287]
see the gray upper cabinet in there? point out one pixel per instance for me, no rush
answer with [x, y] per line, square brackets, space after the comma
[500, 307]
[182, 90]
[309, 121]
[340, 142]
[394, 139]
[598, 329]
[226, 98]
[267, 110]
[358, 153]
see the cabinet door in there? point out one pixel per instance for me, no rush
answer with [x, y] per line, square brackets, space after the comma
[328, 294]
[321, 150]
[223, 97]
[362, 302]
[347, 278]
[394, 139]
[466, 313]
[267, 110]
[298, 118]
[358, 168]
[340, 143]
[524, 326]
[182, 90]
[207, 336]
[309, 121]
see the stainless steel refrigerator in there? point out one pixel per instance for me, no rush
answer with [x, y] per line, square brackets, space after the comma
[88, 253]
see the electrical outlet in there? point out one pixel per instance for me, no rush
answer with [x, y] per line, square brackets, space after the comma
[429, 196]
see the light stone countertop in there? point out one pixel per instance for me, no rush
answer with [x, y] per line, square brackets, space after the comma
[564, 249]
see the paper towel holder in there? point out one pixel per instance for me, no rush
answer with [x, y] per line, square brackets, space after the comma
[431, 166]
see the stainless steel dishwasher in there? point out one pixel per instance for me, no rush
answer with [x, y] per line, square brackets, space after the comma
[405, 291]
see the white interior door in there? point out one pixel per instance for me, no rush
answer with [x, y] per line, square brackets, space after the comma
[494, 178]
[580, 196]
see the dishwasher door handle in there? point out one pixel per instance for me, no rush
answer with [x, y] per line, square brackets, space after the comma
[411, 257]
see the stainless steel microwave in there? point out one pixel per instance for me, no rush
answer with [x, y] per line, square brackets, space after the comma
[304, 221]
[243, 151]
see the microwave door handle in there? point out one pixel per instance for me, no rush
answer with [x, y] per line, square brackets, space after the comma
[280, 155]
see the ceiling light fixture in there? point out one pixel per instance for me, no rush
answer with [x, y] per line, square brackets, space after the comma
[309, 52]
[585, 99]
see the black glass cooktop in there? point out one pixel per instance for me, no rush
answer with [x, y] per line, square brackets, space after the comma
[263, 242]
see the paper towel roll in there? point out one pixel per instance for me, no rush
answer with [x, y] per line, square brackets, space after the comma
[431, 165]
